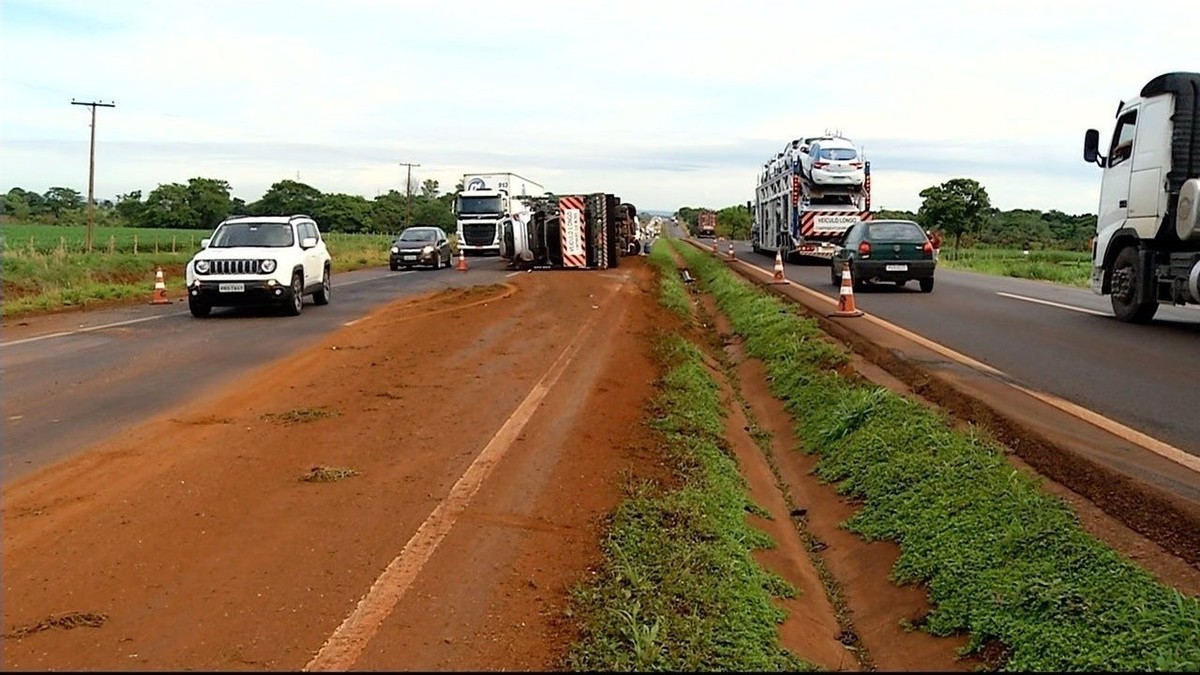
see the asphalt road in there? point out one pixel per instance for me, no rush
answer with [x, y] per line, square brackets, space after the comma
[1050, 338]
[70, 380]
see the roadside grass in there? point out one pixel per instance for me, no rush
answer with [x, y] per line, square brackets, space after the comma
[1072, 268]
[327, 474]
[300, 415]
[672, 293]
[1000, 559]
[46, 269]
[679, 590]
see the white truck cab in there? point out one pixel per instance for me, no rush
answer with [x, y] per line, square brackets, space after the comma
[1147, 246]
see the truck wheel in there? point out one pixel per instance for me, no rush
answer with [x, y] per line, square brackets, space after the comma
[1126, 275]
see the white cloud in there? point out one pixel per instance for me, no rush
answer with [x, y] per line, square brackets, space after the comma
[667, 103]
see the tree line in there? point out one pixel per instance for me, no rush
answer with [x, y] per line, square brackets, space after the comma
[202, 203]
[962, 211]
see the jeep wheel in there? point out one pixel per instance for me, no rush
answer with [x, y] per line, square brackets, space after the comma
[294, 300]
[322, 296]
[199, 309]
[394, 267]
[926, 285]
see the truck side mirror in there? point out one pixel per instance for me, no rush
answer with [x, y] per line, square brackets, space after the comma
[1091, 147]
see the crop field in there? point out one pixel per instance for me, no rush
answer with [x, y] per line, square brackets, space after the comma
[1072, 268]
[47, 267]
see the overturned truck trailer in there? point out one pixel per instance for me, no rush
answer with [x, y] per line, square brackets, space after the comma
[589, 231]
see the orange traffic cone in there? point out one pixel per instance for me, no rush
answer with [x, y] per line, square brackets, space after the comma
[846, 298]
[462, 261]
[715, 251]
[731, 257]
[160, 289]
[779, 278]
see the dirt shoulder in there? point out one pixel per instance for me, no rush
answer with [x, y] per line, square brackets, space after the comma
[192, 542]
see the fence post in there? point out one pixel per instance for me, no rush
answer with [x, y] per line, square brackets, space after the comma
[135, 243]
[173, 244]
[32, 246]
[156, 246]
[112, 244]
[62, 245]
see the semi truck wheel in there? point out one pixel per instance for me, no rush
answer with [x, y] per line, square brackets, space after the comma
[1126, 275]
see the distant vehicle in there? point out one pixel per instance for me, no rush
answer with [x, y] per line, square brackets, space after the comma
[885, 250]
[1146, 251]
[706, 225]
[488, 202]
[833, 161]
[260, 260]
[425, 246]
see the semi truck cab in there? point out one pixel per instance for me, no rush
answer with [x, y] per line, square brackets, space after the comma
[1147, 246]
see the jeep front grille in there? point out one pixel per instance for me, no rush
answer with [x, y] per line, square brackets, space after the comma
[235, 267]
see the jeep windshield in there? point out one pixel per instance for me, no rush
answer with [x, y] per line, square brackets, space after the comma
[272, 235]
[479, 206]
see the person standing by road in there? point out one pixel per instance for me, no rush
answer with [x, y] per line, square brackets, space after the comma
[935, 238]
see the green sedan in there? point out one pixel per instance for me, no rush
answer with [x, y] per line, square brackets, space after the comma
[896, 251]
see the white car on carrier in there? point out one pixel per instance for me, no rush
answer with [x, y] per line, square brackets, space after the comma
[260, 260]
[833, 161]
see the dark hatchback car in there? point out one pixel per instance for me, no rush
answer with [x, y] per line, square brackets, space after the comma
[421, 245]
[894, 251]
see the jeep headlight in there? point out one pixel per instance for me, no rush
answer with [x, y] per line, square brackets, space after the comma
[203, 266]
[395, 249]
[427, 249]
[267, 266]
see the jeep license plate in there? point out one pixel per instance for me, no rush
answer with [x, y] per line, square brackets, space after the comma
[410, 257]
[896, 268]
[231, 288]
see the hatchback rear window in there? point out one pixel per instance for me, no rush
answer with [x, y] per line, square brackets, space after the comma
[838, 154]
[897, 232]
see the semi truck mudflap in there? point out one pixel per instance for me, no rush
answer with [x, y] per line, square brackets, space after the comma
[572, 231]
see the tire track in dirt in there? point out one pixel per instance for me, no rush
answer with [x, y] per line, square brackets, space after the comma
[343, 648]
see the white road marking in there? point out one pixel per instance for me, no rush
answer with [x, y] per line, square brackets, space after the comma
[13, 343]
[49, 336]
[347, 643]
[512, 274]
[1084, 310]
[1160, 448]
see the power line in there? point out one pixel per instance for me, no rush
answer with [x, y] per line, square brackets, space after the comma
[409, 189]
[91, 203]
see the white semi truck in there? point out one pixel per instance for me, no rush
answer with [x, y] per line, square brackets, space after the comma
[487, 202]
[1147, 246]
[800, 214]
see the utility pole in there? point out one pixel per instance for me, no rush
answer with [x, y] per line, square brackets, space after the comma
[408, 188]
[91, 205]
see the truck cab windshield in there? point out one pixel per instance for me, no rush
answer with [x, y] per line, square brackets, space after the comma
[477, 206]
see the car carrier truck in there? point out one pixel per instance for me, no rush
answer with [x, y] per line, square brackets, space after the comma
[706, 224]
[486, 203]
[1146, 251]
[798, 217]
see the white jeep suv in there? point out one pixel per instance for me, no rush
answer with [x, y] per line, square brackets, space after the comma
[260, 260]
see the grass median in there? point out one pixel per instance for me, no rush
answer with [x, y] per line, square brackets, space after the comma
[679, 590]
[1001, 560]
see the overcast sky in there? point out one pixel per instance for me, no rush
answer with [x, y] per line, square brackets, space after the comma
[664, 103]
